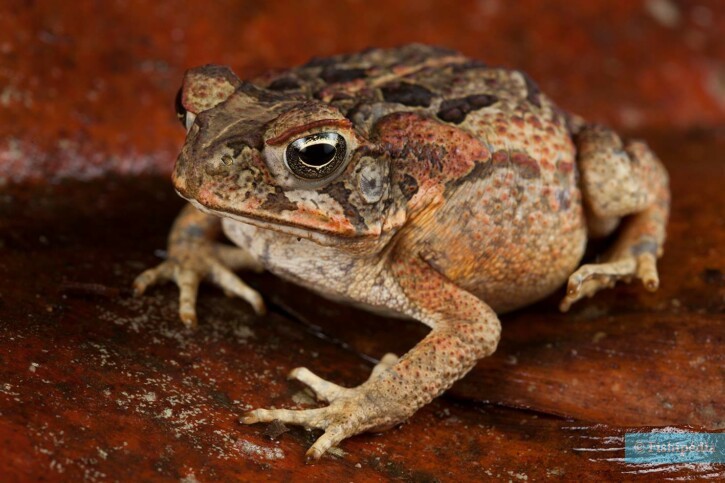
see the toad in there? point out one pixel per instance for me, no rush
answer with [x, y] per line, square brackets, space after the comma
[413, 182]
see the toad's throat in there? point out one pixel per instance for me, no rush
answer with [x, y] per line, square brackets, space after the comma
[318, 234]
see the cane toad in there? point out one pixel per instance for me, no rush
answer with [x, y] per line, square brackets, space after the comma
[411, 181]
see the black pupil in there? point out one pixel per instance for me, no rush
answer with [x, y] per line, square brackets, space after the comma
[317, 154]
[180, 110]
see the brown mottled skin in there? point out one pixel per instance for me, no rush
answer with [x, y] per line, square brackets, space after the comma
[461, 191]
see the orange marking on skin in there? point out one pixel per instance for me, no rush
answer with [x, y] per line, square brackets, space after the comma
[565, 166]
[500, 157]
[341, 123]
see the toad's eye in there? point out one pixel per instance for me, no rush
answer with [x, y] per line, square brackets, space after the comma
[180, 109]
[185, 117]
[316, 156]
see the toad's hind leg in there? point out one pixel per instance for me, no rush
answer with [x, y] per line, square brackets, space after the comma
[620, 180]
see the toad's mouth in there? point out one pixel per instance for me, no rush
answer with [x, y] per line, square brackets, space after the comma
[319, 235]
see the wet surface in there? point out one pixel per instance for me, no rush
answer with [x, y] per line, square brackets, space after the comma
[96, 384]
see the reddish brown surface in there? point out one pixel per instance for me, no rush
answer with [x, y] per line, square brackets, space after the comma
[97, 385]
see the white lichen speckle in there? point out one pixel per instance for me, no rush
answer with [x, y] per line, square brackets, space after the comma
[7, 388]
[190, 478]
[252, 449]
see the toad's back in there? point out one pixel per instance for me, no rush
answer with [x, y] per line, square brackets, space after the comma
[511, 228]
[450, 87]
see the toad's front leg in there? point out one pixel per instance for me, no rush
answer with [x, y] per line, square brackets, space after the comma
[194, 256]
[464, 329]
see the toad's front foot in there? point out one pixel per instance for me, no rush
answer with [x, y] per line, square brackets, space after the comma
[351, 410]
[188, 265]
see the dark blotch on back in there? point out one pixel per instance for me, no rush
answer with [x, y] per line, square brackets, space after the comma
[407, 94]
[321, 62]
[359, 113]
[532, 90]
[408, 186]
[481, 169]
[261, 94]
[277, 202]
[468, 65]
[456, 110]
[333, 74]
[284, 84]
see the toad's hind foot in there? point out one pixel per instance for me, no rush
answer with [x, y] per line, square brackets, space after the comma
[349, 412]
[620, 181]
[591, 278]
